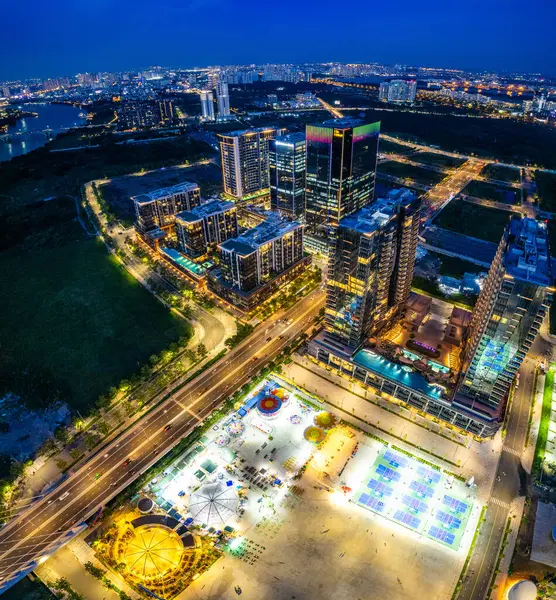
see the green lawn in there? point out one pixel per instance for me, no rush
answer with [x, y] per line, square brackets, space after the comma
[452, 266]
[417, 174]
[545, 421]
[474, 220]
[490, 191]
[546, 185]
[74, 323]
[501, 173]
[438, 160]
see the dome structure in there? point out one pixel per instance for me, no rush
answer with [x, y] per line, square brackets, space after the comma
[213, 504]
[145, 505]
[523, 590]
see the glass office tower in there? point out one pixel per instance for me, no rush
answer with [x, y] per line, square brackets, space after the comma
[287, 175]
[341, 170]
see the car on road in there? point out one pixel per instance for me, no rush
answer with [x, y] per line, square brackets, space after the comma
[64, 496]
[98, 475]
[268, 339]
[127, 461]
[169, 426]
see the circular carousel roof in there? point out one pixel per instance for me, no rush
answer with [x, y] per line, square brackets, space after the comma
[213, 504]
[269, 405]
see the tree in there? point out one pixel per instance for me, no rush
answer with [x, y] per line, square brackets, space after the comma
[102, 427]
[202, 351]
[61, 434]
[95, 571]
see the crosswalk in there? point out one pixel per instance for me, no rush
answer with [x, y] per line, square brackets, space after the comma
[511, 451]
[499, 502]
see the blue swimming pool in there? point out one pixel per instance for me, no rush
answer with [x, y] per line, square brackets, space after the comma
[183, 261]
[381, 366]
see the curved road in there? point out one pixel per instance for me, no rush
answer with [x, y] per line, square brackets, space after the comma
[27, 538]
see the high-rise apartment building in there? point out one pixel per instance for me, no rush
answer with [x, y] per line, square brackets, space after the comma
[223, 99]
[158, 209]
[507, 317]
[167, 112]
[370, 269]
[341, 170]
[207, 105]
[398, 90]
[207, 225]
[287, 175]
[244, 157]
[261, 253]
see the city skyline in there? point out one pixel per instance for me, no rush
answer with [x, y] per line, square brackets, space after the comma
[40, 47]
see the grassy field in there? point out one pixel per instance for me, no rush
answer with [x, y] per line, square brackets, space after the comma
[119, 191]
[474, 220]
[74, 323]
[438, 160]
[453, 266]
[42, 174]
[501, 173]
[489, 191]
[542, 436]
[546, 185]
[388, 146]
[417, 174]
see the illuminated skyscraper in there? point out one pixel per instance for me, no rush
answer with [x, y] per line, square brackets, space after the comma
[287, 175]
[370, 269]
[341, 170]
[244, 156]
[510, 310]
[207, 105]
[222, 99]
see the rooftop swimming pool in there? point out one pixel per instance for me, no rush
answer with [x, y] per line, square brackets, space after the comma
[184, 262]
[382, 366]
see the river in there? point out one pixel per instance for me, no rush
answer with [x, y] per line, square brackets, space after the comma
[27, 134]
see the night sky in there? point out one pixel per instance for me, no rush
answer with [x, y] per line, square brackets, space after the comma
[43, 38]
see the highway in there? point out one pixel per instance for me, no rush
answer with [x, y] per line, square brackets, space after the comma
[506, 485]
[28, 537]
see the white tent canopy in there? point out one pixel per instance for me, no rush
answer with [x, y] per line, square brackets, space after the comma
[213, 504]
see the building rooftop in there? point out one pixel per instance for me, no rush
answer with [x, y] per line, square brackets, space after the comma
[212, 207]
[375, 215]
[186, 186]
[249, 131]
[527, 256]
[343, 123]
[274, 227]
[291, 138]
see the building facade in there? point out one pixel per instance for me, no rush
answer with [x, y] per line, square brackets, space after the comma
[398, 90]
[287, 175]
[511, 307]
[158, 209]
[207, 225]
[207, 105]
[223, 99]
[341, 171]
[370, 269]
[258, 262]
[245, 163]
